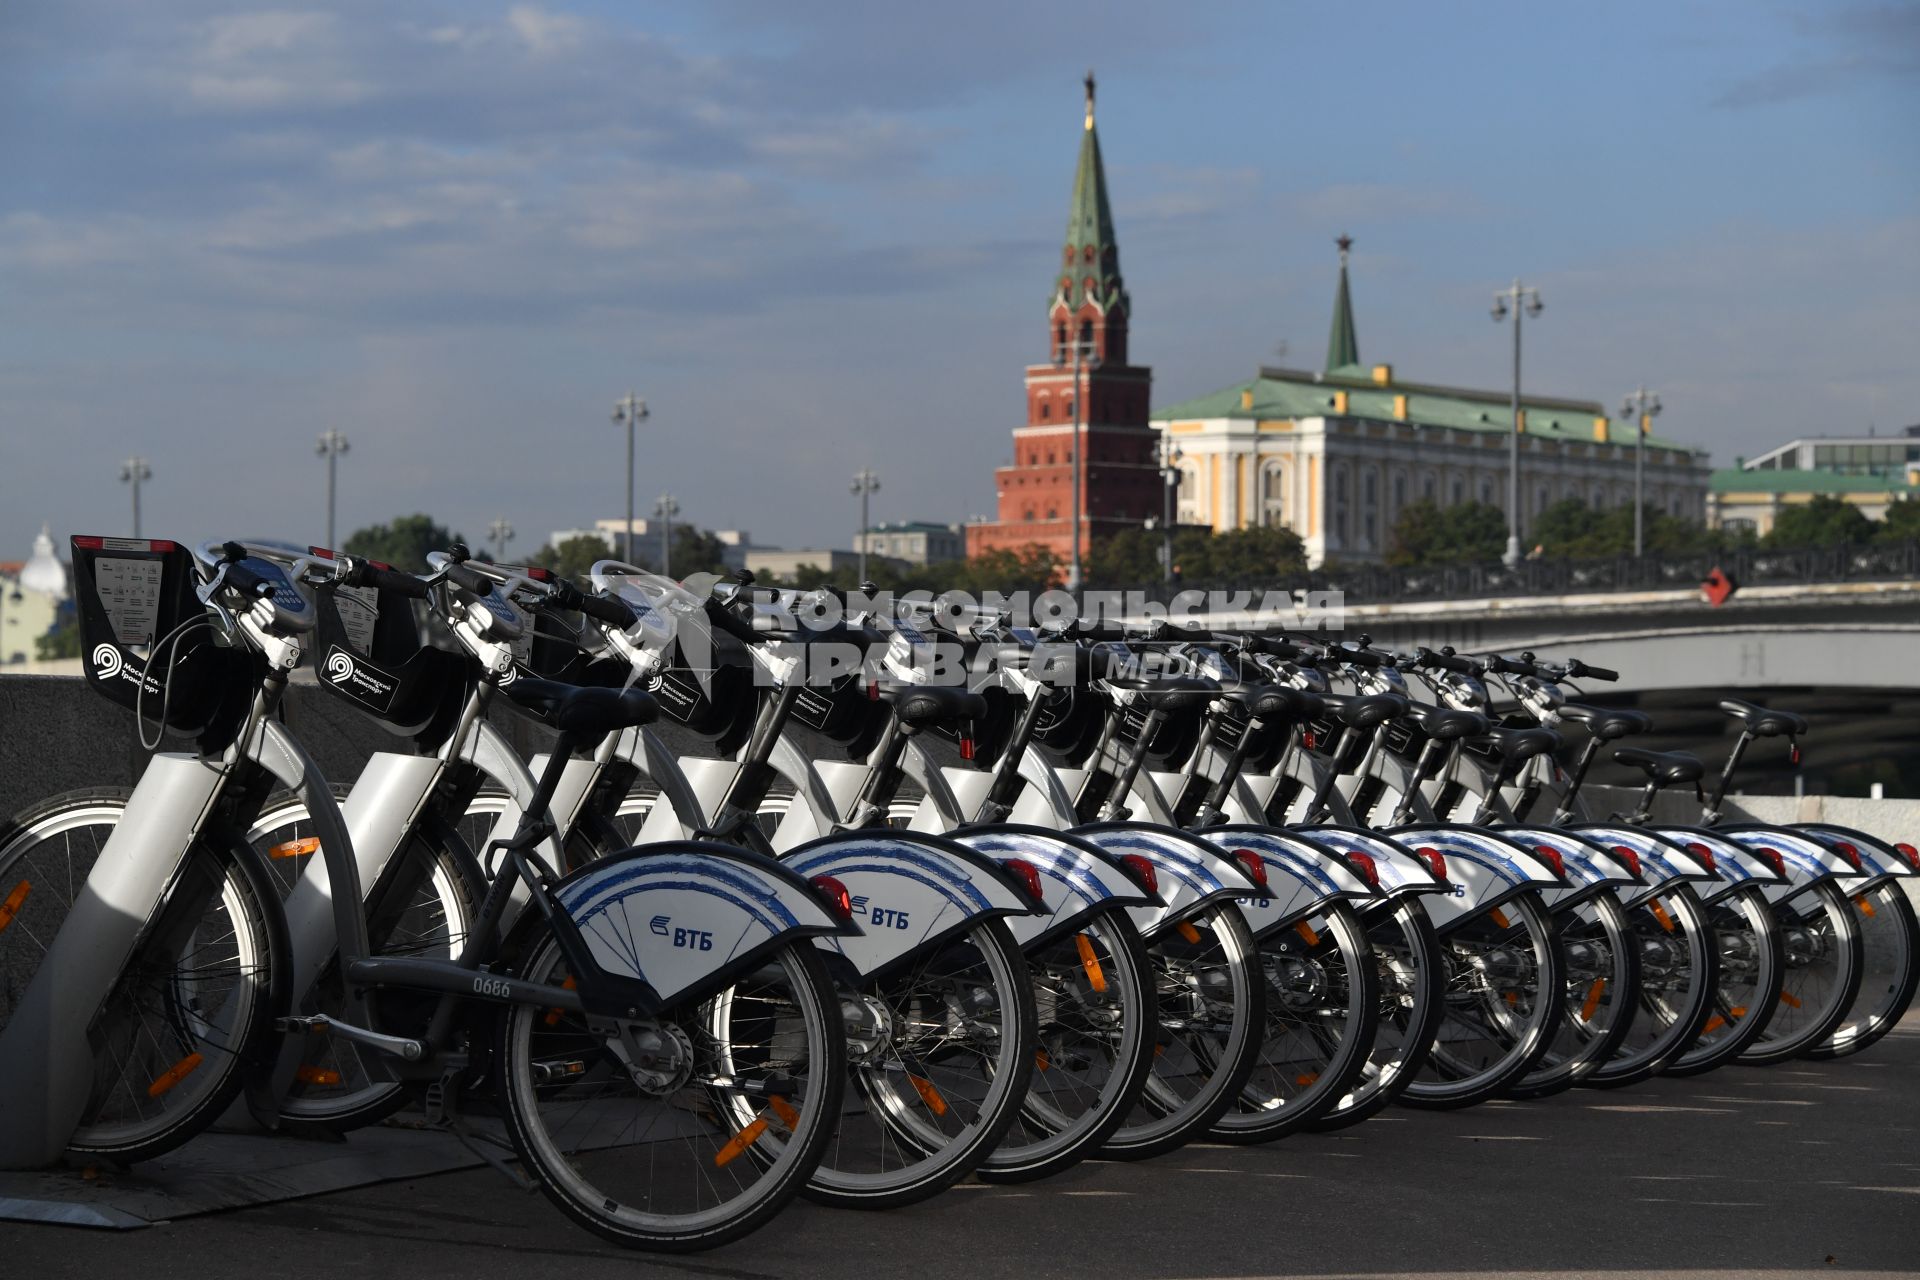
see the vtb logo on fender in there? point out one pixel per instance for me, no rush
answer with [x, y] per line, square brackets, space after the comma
[880, 917]
[686, 939]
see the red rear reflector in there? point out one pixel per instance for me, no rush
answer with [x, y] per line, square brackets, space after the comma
[325, 553]
[1141, 871]
[1705, 855]
[1253, 864]
[873, 691]
[537, 574]
[835, 896]
[1436, 862]
[1631, 858]
[1773, 859]
[1029, 877]
[1362, 863]
[966, 748]
[1307, 739]
[1551, 856]
[1911, 854]
[1851, 854]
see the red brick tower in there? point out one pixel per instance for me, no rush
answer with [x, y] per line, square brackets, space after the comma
[1120, 480]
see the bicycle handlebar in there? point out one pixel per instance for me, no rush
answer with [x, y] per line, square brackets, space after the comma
[365, 573]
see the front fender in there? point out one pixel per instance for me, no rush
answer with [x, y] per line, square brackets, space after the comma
[1193, 873]
[909, 891]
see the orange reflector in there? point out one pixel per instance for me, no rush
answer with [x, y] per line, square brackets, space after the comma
[1866, 908]
[1738, 1011]
[1096, 976]
[174, 1074]
[1188, 932]
[1040, 1059]
[785, 1110]
[1592, 1004]
[1660, 914]
[929, 1094]
[739, 1142]
[1513, 997]
[553, 1015]
[1500, 918]
[11, 907]
[295, 848]
[1307, 1079]
[1789, 999]
[1713, 1024]
[317, 1075]
[1305, 930]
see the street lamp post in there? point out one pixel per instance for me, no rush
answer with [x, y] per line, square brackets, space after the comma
[1522, 301]
[1083, 360]
[1170, 457]
[629, 411]
[132, 472]
[665, 508]
[500, 533]
[865, 484]
[332, 445]
[1641, 407]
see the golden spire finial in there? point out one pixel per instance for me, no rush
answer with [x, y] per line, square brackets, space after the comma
[1089, 83]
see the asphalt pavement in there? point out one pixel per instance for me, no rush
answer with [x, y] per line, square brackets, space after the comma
[1803, 1169]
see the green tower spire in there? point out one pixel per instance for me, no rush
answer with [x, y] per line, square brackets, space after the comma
[1091, 253]
[1343, 348]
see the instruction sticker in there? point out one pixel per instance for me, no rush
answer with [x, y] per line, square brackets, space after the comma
[359, 609]
[130, 593]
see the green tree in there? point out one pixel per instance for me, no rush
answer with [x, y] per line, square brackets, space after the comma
[1128, 557]
[63, 641]
[1254, 556]
[574, 557]
[1824, 522]
[404, 543]
[1902, 522]
[1425, 534]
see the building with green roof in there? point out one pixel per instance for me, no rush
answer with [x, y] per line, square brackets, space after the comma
[1871, 472]
[1336, 454]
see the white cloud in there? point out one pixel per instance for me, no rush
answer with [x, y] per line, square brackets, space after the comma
[544, 31]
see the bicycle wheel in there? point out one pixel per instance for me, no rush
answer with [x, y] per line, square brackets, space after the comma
[194, 1000]
[1093, 1008]
[1821, 940]
[1890, 941]
[1211, 1021]
[1410, 975]
[422, 907]
[1602, 980]
[1323, 1005]
[1679, 973]
[938, 1058]
[1749, 946]
[1503, 997]
[716, 1124]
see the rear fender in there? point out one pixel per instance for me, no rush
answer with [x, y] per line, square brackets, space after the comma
[1302, 877]
[910, 890]
[1739, 866]
[1809, 861]
[667, 923]
[1402, 872]
[1078, 877]
[1664, 862]
[1878, 859]
[1486, 870]
[1592, 868]
[1193, 873]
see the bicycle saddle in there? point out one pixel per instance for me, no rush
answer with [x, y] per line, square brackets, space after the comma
[1606, 723]
[1517, 744]
[1276, 703]
[926, 704]
[1444, 724]
[1364, 711]
[1663, 766]
[1761, 722]
[582, 711]
[1166, 693]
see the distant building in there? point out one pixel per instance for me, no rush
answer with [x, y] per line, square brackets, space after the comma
[736, 544]
[774, 563]
[918, 542]
[31, 592]
[1336, 455]
[1871, 472]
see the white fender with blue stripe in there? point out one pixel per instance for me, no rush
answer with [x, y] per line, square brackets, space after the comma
[1484, 869]
[1808, 861]
[1590, 867]
[1740, 866]
[908, 890]
[1077, 877]
[1401, 870]
[1301, 877]
[1663, 862]
[679, 914]
[1879, 861]
[1193, 874]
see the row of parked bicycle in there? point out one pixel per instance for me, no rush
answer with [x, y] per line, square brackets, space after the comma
[1114, 890]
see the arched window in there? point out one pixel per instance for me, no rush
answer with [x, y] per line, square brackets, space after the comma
[1459, 492]
[1052, 513]
[1273, 487]
[1341, 501]
[1429, 487]
[1399, 490]
[1046, 410]
[1028, 516]
[1486, 490]
[1060, 341]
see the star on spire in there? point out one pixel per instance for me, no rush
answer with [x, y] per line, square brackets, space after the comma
[1089, 84]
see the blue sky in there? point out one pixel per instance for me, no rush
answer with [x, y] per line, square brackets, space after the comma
[820, 237]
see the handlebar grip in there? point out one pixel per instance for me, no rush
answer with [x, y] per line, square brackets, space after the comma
[1357, 656]
[732, 623]
[469, 579]
[1274, 646]
[1510, 666]
[611, 610]
[367, 574]
[1597, 673]
[246, 581]
[1444, 661]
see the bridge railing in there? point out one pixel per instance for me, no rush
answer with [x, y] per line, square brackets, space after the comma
[1751, 566]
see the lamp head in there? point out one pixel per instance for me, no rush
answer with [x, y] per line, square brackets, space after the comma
[1499, 309]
